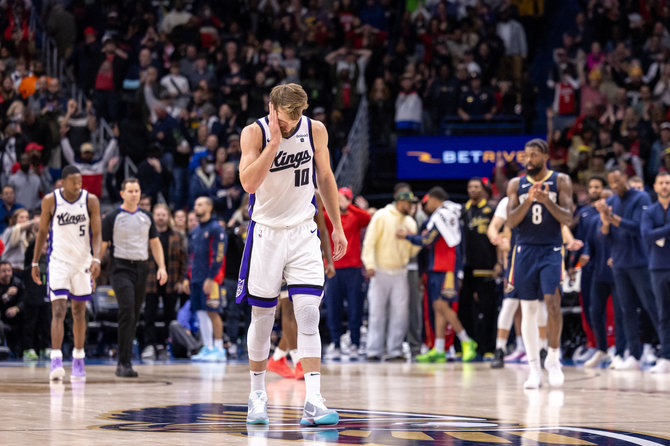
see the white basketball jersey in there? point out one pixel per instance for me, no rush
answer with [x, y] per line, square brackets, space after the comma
[286, 198]
[70, 235]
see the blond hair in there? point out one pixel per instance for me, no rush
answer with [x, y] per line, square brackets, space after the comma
[291, 98]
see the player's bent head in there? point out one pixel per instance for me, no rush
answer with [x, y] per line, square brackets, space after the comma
[291, 98]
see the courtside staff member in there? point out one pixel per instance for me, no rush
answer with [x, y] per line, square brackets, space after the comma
[130, 231]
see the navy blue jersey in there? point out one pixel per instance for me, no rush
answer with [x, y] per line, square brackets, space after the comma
[539, 227]
[206, 250]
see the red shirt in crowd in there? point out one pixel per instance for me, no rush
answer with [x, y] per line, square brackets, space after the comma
[353, 222]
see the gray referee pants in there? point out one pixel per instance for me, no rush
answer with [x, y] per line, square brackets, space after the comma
[129, 281]
[388, 299]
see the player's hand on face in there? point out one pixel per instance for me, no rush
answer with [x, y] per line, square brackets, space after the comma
[273, 124]
[339, 244]
[161, 276]
[95, 270]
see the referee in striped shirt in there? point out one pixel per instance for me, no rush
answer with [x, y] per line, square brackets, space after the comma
[130, 232]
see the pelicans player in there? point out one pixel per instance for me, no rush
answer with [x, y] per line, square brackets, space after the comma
[284, 157]
[71, 217]
[539, 203]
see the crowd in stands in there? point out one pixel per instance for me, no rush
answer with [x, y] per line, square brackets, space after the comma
[173, 83]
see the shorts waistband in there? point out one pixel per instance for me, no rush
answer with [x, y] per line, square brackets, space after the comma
[129, 262]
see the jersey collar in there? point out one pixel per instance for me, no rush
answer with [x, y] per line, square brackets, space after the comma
[480, 204]
[532, 181]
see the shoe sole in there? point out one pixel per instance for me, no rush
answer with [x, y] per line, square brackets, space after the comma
[264, 421]
[77, 378]
[57, 374]
[531, 387]
[330, 419]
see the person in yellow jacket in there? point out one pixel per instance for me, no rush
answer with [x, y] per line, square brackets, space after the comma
[385, 258]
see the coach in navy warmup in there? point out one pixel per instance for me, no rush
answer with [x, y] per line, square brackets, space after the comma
[656, 234]
[620, 218]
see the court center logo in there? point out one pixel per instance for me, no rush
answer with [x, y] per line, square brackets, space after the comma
[362, 427]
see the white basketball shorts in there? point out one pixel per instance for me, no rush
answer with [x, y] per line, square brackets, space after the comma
[65, 280]
[270, 254]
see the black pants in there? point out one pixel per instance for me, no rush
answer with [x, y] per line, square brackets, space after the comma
[129, 281]
[479, 316]
[36, 327]
[151, 335]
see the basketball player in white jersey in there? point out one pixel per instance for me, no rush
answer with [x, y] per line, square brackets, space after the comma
[284, 157]
[71, 218]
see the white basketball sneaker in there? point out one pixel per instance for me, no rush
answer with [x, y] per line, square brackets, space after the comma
[662, 366]
[596, 359]
[630, 363]
[555, 374]
[316, 412]
[534, 380]
[258, 408]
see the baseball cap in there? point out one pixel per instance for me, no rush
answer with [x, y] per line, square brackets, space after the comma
[34, 146]
[86, 147]
[346, 192]
[90, 31]
[665, 125]
[406, 196]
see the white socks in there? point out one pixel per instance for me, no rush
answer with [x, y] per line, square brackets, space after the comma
[501, 344]
[439, 345]
[553, 355]
[530, 332]
[206, 330]
[278, 354]
[462, 336]
[77, 353]
[257, 381]
[294, 356]
[312, 384]
[218, 344]
[56, 354]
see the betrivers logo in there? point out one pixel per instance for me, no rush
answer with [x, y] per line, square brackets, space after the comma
[468, 156]
[359, 427]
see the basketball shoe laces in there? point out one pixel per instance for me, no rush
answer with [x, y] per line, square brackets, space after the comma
[258, 402]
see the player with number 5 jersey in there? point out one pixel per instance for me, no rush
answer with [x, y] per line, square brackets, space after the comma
[71, 218]
[539, 203]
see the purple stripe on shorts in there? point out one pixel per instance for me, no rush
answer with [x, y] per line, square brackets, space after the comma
[80, 298]
[316, 291]
[262, 303]
[242, 282]
[60, 292]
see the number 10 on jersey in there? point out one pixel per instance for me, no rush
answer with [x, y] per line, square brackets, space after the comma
[301, 177]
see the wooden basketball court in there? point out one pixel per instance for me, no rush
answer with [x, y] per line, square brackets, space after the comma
[180, 403]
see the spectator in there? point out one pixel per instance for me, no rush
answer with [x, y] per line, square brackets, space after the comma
[31, 181]
[345, 285]
[514, 37]
[92, 169]
[176, 261]
[385, 259]
[36, 307]
[11, 303]
[83, 57]
[177, 86]
[620, 219]
[408, 108]
[16, 239]
[477, 102]
[228, 194]
[203, 182]
[108, 69]
[8, 207]
[62, 27]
